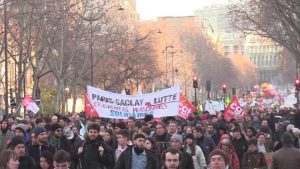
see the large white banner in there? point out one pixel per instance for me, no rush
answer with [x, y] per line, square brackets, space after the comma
[111, 105]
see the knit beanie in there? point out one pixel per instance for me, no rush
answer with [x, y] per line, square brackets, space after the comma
[177, 137]
[38, 130]
[21, 127]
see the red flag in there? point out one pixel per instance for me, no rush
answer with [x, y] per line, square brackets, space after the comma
[233, 109]
[185, 108]
[89, 109]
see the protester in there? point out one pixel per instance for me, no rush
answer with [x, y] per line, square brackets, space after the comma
[5, 135]
[239, 143]
[187, 160]
[172, 159]
[93, 153]
[195, 151]
[122, 138]
[162, 137]
[9, 159]
[41, 144]
[18, 145]
[46, 160]
[151, 146]
[58, 139]
[226, 145]
[136, 156]
[288, 157]
[205, 143]
[61, 160]
[263, 145]
[253, 158]
[218, 160]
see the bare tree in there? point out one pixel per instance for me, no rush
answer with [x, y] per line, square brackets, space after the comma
[275, 19]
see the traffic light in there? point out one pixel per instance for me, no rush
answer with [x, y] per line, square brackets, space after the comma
[297, 85]
[195, 82]
[224, 87]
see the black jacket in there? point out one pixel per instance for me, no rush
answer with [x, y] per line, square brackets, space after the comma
[90, 157]
[125, 159]
[240, 147]
[36, 150]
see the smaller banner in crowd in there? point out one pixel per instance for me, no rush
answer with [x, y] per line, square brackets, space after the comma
[111, 105]
[233, 109]
[186, 108]
[214, 106]
[30, 104]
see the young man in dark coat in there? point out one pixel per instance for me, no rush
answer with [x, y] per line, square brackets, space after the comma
[93, 153]
[58, 139]
[239, 143]
[35, 150]
[136, 156]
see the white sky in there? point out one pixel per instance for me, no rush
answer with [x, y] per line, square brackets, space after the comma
[150, 9]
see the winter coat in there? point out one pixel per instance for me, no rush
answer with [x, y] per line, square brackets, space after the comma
[240, 146]
[198, 158]
[90, 157]
[286, 158]
[36, 150]
[60, 143]
[253, 160]
[207, 145]
[125, 160]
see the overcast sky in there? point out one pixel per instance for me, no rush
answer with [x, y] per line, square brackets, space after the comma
[150, 9]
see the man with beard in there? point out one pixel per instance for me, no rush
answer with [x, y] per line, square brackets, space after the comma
[58, 140]
[18, 145]
[93, 153]
[5, 135]
[41, 144]
[136, 156]
[172, 158]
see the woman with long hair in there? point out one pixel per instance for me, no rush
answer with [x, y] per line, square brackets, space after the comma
[9, 160]
[195, 151]
[46, 160]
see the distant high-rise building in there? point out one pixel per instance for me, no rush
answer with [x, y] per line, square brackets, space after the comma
[262, 52]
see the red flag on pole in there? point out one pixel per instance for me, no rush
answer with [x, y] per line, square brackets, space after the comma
[186, 108]
[233, 109]
[89, 109]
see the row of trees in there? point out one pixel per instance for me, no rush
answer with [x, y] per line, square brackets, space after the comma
[60, 40]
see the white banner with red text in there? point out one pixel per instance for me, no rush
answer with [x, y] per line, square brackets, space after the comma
[111, 105]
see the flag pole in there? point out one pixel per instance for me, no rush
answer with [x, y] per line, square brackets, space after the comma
[17, 110]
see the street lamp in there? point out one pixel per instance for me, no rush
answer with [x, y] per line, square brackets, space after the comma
[166, 52]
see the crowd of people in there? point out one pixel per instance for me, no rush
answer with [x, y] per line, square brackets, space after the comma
[200, 142]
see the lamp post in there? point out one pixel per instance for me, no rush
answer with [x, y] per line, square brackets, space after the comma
[166, 52]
